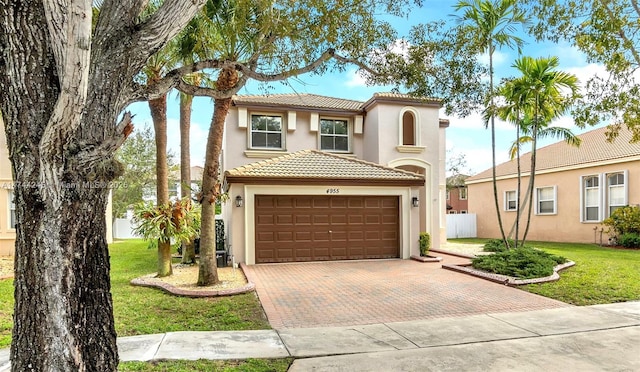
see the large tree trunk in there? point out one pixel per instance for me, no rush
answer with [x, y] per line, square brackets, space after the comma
[188, 249]
[63, 317]
[208, 273]
[62, 92]
[158, 108]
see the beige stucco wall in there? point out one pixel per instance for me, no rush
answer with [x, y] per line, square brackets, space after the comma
[565, 225]
[384, 119]
[242, 230]
[236, 146]
[7, 234]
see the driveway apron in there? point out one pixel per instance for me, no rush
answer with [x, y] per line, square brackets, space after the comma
[324, 294]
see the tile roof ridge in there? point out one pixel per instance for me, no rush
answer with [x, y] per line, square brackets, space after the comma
[365, 162]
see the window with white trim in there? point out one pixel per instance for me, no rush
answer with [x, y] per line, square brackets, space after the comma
[266, 132]
[510, 200]
[616, 191]
[453, 212]
[463, 212]
[12, 210]
[462, 193]
[546, 202]
[448, 195]
[334, 135]
[591, 198]
[408, 129]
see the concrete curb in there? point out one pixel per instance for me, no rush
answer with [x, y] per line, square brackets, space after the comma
[508, 280]
[142, 282]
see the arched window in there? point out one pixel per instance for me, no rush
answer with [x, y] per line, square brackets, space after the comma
[408, 129]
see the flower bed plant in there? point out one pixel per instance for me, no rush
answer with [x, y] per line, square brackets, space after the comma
[522, 263]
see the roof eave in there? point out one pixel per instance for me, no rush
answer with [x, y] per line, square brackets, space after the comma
[321, 181]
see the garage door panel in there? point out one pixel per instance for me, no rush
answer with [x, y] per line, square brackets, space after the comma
[316, 228]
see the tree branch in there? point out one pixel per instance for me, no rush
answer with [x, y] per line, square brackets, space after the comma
[164, 24]
[70, 28]
[621, 33]
[125, 11]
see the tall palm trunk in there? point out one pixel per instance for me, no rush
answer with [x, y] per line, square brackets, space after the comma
[158, 108]
[517, 224]
[532, 175]
[208, 273]
[493, 148]
[188, 249]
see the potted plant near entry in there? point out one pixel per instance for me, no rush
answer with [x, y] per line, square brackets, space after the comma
[425, 244]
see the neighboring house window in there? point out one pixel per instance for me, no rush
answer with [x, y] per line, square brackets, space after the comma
[462, 193]
[448, 195]
[463, 212]
[334, 135]
[408, 129]
[616, 191]
[453, 212]
[12, 211]
[591, 198]
[510, 201]
[546, 200]
[266, 131]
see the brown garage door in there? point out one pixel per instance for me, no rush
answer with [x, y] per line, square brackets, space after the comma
[321, 228]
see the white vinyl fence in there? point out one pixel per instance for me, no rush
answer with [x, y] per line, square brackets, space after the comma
[123, 229]
[461, 226]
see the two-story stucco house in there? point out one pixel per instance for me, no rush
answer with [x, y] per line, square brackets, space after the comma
[314, 178]
[575, 189]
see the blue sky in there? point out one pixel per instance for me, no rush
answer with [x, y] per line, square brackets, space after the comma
[464, 136]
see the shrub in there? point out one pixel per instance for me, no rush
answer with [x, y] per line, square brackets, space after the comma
[425, 243]
[522, 263]
[497, 245]
[629, 240]
[624, 220]
[179, 221]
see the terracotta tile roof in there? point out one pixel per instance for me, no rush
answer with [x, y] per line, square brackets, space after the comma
[594, 149]
[318, 165]
[300, 100]
[401, 98]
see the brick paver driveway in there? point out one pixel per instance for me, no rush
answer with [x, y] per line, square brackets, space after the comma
[322, 294]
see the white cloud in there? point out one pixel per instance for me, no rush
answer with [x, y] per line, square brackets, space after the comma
[499, 58]
[197, 138]
[586, 72]
[355, 78]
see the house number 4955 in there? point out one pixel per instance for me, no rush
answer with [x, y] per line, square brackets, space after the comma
[333, 191]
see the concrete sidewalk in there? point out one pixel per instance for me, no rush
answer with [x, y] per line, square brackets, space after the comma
[593, 338]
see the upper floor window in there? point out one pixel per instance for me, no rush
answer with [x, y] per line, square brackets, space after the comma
[334, 135]
[448, 195]
[408, 129]
[616, 191]
[510, 200]
[462, 193]
[591, 198]
[546, 200]
[266, 131]
[12, 211]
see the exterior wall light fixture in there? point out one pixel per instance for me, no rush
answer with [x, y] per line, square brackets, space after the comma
[415, 202]
[239, 201]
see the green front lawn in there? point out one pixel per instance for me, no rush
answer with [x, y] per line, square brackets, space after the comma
[601, 275]
[249, 365]
[140, 310]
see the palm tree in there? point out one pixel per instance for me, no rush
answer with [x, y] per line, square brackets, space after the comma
[187, 48]
[535, 99]
[154, 71]
[493, 23]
